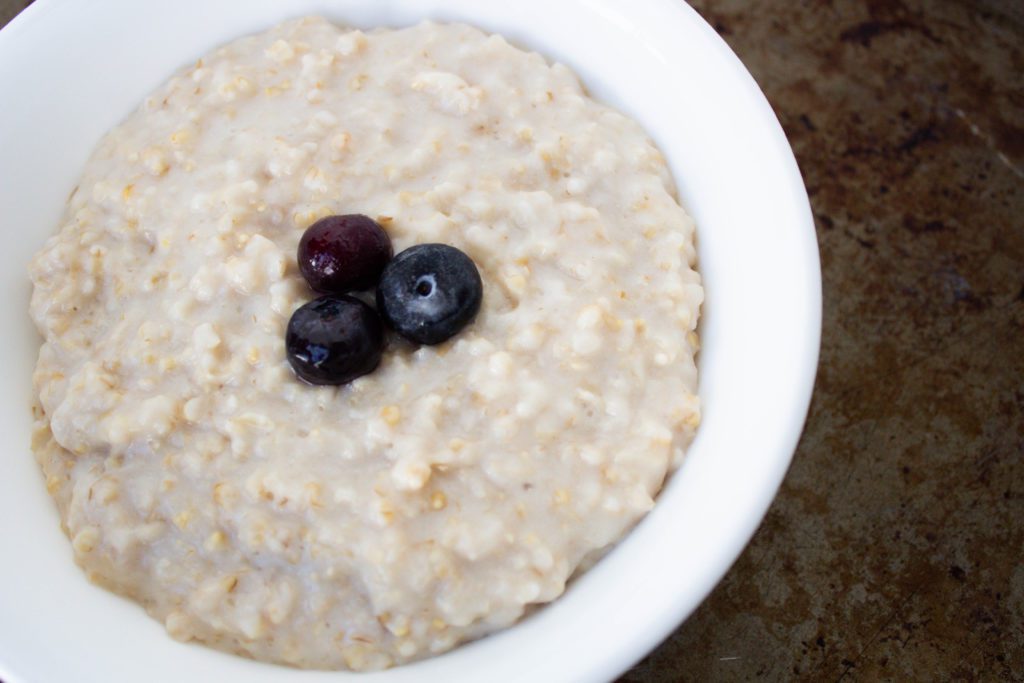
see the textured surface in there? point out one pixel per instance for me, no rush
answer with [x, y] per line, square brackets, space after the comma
[893, 550]
[436, 498]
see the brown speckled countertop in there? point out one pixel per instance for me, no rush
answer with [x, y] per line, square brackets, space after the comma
[894, 549]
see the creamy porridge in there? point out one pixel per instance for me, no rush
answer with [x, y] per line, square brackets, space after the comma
[427, 503]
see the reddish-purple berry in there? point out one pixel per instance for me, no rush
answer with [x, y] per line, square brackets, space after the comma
[339, 254]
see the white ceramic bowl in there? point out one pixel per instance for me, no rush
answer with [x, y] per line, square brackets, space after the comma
[71, 69]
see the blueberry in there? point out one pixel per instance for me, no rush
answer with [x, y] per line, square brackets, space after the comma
[333, 340]
[338, 254]
[429, 292]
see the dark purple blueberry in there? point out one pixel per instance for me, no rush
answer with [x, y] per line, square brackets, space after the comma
[338, 254]
[334, 339]
[429, 292]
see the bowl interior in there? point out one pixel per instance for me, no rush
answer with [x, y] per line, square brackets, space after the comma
[70, 70]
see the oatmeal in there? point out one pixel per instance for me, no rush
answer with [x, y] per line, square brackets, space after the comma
[427, 503]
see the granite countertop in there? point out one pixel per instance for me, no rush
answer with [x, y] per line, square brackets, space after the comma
[894, 549]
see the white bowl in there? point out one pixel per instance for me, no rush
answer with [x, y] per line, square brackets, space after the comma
[71, 69]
